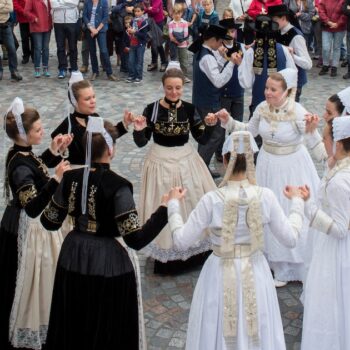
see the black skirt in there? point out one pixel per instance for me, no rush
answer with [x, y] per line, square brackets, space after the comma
[94, 302]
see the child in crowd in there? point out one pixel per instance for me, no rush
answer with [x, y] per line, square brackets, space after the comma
[206, 16]
[124, 66]
[138, 39]
[228, 13]
[178, 34]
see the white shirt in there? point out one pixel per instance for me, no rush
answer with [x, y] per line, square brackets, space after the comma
[65, 11]
[246, 73]
[301, 54]
[212, 67]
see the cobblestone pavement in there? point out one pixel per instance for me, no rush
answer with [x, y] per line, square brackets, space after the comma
[166, 299]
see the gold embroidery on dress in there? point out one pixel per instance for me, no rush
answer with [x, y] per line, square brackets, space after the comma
[27, 195]
[51, 212]
[41, 165]
[172, 128]
[129, 224]
[71, 198]
[92, 202]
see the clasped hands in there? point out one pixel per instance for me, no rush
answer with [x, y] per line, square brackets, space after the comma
[60, 143]
[297, 191]
[175, 193]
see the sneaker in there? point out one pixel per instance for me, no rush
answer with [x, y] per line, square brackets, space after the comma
[152, 66]
[333, 72]
[112, 77]
[324, 70]
[46, 72]
[279, 284]
[344, 64]
[61, 74]
[137, 81]
[15, 76]
[129, 80]
[187, 80]
[37, 73]
[163, 67]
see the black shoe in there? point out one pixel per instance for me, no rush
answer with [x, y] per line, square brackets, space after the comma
[333, 72]
[214, 174]
[346, 76]
[15, 76]
[151, 67]
[324, 70]
[1, 73]
[344, 64]
[25, 60]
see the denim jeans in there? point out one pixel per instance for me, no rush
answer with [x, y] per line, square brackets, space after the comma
[102, 44]
[6, 37]
[41, 48]
[328, 40]
[136, 55]
[63, 32]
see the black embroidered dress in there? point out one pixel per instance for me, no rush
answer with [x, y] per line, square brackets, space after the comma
[28, 253]
[172, 161]
[96, 302]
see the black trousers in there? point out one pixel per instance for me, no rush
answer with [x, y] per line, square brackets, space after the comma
[27, 42]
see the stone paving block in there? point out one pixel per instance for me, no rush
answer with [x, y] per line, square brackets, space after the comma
[177, 298]
[290, 330]
[177, 343]
[165, 333]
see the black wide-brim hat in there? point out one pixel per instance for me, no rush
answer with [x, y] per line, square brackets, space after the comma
[229, 23]
[263, 24]
[278, 10]
[216, 31]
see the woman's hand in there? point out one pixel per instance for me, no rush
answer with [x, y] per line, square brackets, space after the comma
[223, 115]
[305, 192]
[128, 118]
[311, 122]
[211, 119]
[60, 143]
[60, 169]
[292, 191]
[140, 123]
[222, 51]
[177, 193]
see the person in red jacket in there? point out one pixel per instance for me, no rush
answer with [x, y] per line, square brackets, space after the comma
[27, 42]
[259, 7]
[40, 25]
[333, 32]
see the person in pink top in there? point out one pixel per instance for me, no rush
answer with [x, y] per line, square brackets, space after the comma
[154, 9]
[259, 7]
[40, 24]
[333, 32]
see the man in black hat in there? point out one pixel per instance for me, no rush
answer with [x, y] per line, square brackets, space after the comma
[210, 73]
[264, 57]
[292, 37]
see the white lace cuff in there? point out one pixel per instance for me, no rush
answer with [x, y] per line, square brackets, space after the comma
[321, 221]
[229, 125]
[316, 146]
[296, 214]
[174, 217]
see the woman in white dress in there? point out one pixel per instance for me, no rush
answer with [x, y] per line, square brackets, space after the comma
[326, 324]
[235, 303]
[283, 159]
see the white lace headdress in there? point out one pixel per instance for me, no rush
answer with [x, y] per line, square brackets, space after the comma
[240, 142]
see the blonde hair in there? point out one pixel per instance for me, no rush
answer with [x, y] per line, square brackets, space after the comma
[207, 2]
[178, 8]
[227, 10]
